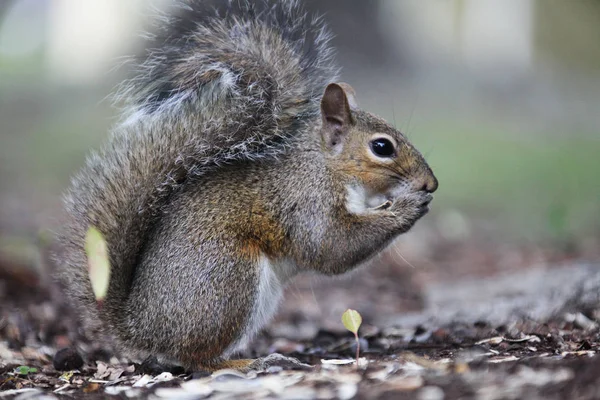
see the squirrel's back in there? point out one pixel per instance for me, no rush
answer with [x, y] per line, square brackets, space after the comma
[234, 81]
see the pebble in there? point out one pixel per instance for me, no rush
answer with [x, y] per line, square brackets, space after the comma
[151, 366]
[67, 359]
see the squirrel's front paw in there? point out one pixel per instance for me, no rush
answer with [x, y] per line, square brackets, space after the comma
[416, 203]
[407, 210]
[278, 360]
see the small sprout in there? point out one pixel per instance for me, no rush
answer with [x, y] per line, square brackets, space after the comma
[25, 370]
[98, 263]
[352, 320]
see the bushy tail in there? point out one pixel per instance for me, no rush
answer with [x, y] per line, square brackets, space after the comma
[219, 84]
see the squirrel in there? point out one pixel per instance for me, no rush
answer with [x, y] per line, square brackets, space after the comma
[240, 162]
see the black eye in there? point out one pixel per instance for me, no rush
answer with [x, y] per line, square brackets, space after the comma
[382, 147]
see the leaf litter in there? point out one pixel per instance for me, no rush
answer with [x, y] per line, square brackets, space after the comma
[552, 357]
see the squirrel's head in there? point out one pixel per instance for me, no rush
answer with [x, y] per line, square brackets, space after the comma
[376, 161]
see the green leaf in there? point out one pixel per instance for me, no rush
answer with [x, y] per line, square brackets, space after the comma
[24, 370]
[98, 263]
[352, 320]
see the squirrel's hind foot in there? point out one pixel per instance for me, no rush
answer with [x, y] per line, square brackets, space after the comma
[259, 364]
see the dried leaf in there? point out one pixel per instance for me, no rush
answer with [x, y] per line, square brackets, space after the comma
[98, 263]
[352, 320]
[66, 377]
[337, 362]
[148, 381]
[526, 338]
[493, 341]
[91, 388]
[103, 371]
[502, 359]
[115, 373]
[143, 381]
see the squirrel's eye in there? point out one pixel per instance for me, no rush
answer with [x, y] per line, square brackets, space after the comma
[382, 147]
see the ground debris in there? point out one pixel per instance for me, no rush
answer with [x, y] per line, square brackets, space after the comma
[554, 356]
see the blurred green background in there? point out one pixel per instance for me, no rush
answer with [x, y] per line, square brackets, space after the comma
[502, 96]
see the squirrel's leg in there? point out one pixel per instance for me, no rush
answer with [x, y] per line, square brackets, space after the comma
[202, 311]
[219, 292]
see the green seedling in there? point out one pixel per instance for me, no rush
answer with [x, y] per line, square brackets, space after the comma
[96, 251]
[352, 320]
[25, 370]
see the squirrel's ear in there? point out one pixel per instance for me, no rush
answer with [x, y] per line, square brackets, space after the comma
[350, 95]
[335, 111]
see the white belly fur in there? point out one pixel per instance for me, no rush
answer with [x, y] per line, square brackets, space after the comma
[272, 280]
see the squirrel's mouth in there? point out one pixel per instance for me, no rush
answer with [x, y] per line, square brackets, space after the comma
[427, 198]
[424, 206]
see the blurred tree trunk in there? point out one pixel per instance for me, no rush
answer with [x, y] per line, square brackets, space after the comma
[568, 33]
[356, 26]
[4, 6]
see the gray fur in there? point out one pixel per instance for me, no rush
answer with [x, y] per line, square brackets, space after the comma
[220, 169]
[169, 135]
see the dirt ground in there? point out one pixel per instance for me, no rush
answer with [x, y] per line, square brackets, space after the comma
[451, 333]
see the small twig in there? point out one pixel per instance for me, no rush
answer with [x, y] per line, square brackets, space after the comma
[63, 387]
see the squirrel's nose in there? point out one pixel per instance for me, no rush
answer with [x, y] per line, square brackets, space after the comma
[429, 183]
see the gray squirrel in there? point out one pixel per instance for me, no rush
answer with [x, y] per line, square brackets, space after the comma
[240, 162]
